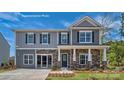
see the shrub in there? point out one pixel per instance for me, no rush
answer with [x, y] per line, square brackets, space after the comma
[55, 68]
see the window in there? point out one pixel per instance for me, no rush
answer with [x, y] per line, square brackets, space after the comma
[44, 38]
[85, 37]
[28, 59]
[30, 38]
[83, 58]
[64, 38]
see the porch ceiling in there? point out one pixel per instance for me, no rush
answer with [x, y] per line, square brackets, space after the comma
[82, 46]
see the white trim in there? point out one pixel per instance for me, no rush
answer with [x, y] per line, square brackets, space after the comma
[67, 59]
[104, 55]
[71, 37]
[28, 59]
[85, 31]
[86, 20]
[35, 59]
[39, 30]
[15, 48]
[85, 54]
[47, 59]
[64, 33]
[30, 33]
[83, 19]
[87, 28]
[36, 48]
[82, 46]
[28, 38]
[74, 54]
[100, 36]
[45, 33]
[89, 55]
[57, 38]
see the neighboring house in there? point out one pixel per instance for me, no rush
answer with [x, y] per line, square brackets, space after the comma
[75, 47]
[4, 49]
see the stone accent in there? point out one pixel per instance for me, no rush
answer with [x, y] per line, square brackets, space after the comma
[73, 64]
[55, 56]
[95, 58]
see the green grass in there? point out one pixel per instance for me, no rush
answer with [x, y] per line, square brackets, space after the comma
[90, 76]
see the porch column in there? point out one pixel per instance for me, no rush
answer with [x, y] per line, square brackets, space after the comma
[35, 60]
[89, 58]
[58, 54]
[104, 57]
[89, 55]
[74, 54]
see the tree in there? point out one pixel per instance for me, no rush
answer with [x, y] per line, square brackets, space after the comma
[116, 53]
[106, 20]
[121, 31]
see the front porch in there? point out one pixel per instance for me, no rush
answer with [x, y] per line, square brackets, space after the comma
[82, 56]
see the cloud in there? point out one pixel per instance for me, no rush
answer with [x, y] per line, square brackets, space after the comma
[65, 23]
[10, 16]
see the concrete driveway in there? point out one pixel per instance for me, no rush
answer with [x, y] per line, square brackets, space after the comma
[25, 74]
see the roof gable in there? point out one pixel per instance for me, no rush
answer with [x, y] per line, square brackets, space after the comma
[86, 22]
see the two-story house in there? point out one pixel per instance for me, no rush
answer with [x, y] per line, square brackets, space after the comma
[4, 49]
[75, 47]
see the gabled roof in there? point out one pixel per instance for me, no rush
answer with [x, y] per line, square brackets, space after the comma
[2, 37]
[86, 20]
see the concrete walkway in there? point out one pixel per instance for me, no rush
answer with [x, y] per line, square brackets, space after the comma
[25, 74]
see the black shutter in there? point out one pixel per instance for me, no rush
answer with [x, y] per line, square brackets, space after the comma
[26, 38]
[77, 36]
[49, 38]
[59, 38]
[68, 38]
[93, 36]
[40, 38]
[34, 38]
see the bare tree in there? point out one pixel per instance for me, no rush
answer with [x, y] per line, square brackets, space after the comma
[106, 20]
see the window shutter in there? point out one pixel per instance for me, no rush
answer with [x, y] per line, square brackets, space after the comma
[77, 36]
[59, 38]
[40, 38]
[34, 38]
[68, 38]
[93, 36]
[49, 38]
[26, 38]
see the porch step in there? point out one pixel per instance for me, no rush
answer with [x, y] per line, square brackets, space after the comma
[61, 73]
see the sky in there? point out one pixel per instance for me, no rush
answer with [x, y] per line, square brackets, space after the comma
[47, 20]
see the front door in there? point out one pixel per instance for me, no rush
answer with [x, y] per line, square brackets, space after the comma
[64, 60]
[44, 61]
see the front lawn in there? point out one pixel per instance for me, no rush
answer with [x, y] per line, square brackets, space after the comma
[91, 76]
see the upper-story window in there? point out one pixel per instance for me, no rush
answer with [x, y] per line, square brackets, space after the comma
[64, 38]
[30, 38]
[45, 38]
[85, 37]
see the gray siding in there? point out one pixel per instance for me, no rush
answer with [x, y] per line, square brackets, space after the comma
[96, 38]
[85, 24]
[59, 38]
[20, 41]
[4, 49]
[19, 58]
